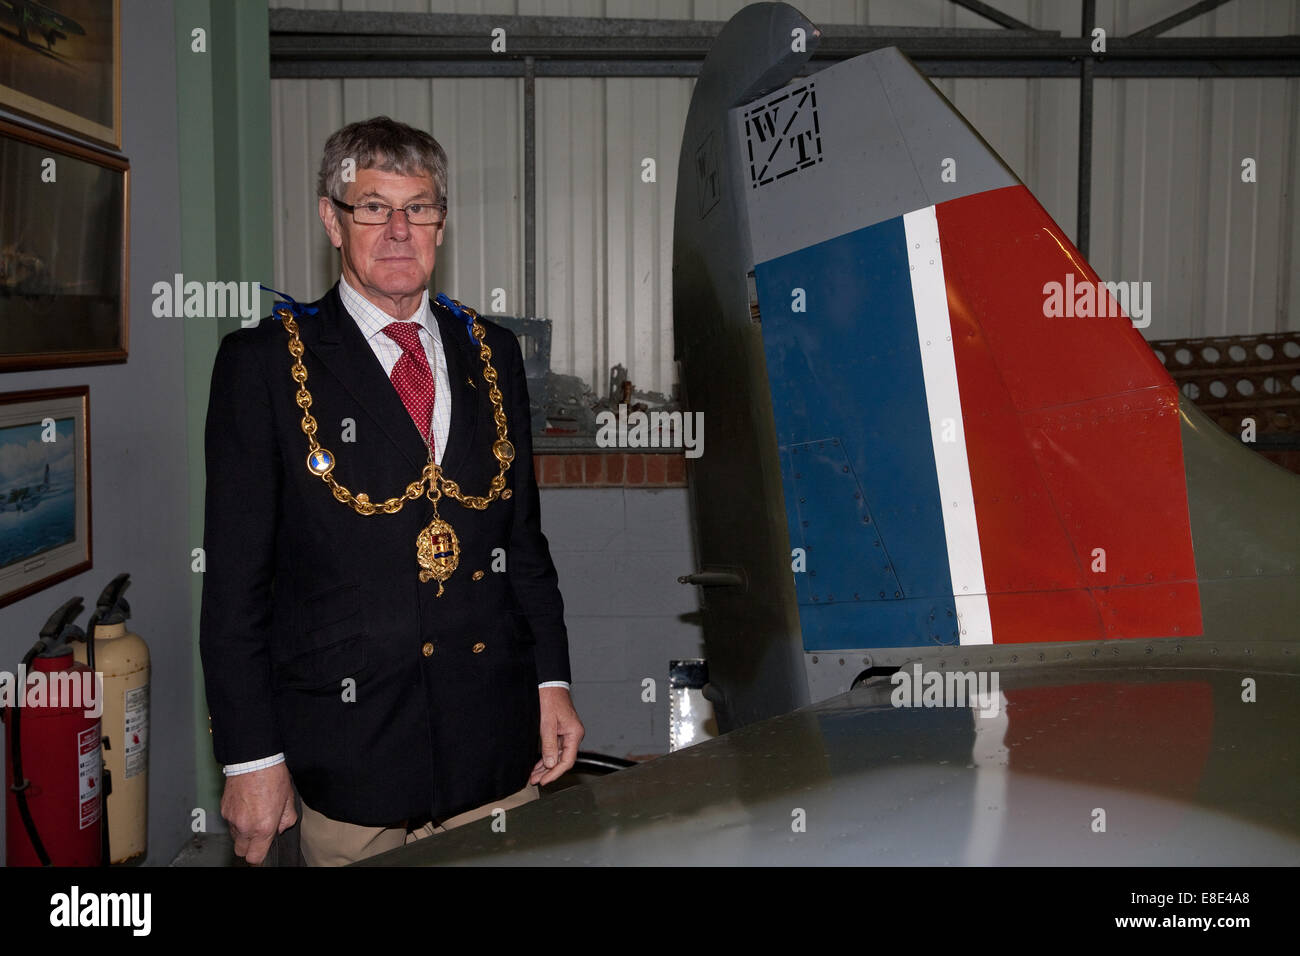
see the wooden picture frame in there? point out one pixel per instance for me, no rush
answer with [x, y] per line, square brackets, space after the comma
[64, 252]
[45, 526]
[61, 63]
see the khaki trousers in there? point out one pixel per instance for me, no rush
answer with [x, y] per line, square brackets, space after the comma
[326, 842]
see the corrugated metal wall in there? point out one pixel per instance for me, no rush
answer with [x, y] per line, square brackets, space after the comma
[1168, 203]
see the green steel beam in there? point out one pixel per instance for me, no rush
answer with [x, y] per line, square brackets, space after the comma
[223, 97]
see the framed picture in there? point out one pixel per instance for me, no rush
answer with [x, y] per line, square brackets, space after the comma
[63, 252]
[44, 489]
[61, 62]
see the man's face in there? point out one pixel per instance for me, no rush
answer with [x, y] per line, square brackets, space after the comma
[385, 262]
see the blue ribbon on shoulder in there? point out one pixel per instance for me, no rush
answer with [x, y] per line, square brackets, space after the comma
[299, 310]
[450, 304]
[296, 308]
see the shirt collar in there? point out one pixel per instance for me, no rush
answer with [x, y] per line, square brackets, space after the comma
[372, 319]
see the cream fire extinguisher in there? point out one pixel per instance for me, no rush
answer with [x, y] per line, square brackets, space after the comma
[123, 659]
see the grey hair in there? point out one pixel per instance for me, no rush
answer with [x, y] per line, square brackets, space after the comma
[384, 144]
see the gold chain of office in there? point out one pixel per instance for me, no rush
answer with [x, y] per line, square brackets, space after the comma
[437, 548]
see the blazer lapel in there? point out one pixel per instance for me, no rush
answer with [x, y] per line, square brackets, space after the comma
[463, 366]
[333, 337]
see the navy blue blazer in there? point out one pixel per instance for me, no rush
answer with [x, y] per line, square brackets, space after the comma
[301, 593]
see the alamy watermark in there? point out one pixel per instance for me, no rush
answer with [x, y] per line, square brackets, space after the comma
[79, 689]
[133, 911]
[207, 300]
[638, 429]
[975, 689]
[1084, 299]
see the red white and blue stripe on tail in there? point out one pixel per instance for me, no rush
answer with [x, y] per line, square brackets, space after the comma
[958, 467]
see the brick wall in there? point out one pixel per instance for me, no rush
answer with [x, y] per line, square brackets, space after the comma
[610, 470]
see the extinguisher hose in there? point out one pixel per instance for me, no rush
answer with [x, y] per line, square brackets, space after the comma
[16, 757]
[105, 854]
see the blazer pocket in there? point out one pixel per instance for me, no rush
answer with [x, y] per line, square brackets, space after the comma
[332, 610]
[324, 666]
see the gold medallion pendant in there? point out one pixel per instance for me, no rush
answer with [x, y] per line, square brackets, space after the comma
[438, 551]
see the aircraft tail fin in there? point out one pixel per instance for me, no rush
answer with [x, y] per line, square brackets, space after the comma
[972, 442]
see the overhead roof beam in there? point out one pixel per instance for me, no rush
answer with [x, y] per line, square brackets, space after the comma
[366, 33]
[935, 68]
[1191, 13]
[317, 43]
[997, 16]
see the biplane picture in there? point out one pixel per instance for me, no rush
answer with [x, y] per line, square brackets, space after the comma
[59, 63]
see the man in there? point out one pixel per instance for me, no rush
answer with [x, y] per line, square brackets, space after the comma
[399, 706]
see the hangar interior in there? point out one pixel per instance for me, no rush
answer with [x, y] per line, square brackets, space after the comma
[1170, 160]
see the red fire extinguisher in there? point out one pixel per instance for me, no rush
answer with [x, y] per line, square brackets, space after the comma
[53, 777]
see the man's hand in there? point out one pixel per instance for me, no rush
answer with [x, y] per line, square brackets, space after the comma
[561, 733]
[258, 806]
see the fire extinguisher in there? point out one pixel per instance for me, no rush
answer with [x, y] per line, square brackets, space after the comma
[54, 779]
[122, 658]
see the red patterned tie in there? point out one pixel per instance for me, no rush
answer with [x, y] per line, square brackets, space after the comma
[411, 376]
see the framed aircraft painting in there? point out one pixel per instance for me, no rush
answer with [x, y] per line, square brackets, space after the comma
[44, 489]
[63, 252]
[60, 62]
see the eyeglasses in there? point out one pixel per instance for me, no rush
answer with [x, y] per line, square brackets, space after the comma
[378, 213]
